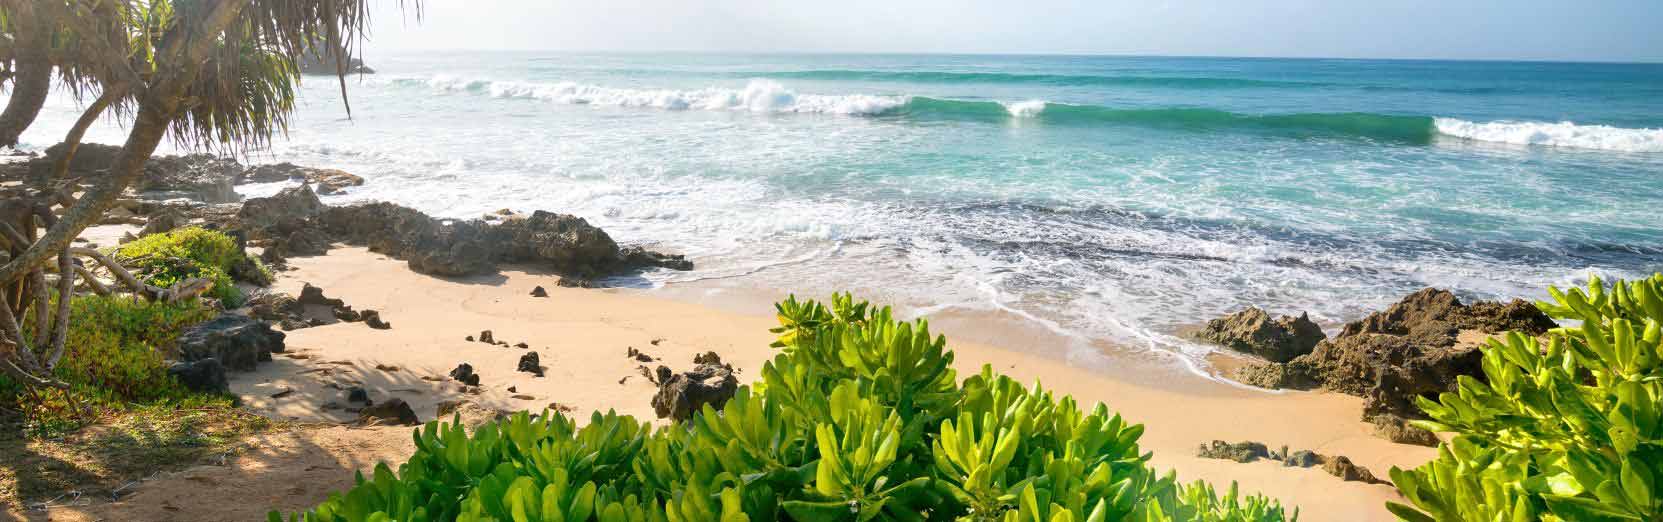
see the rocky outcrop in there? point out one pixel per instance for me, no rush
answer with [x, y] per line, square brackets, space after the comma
[288, 205]
[317, 61]
[204, 375]
[1248, 451]
[390, 411]
[201, 177]
[1252, 331]
[531, 363]
[465, 375]
[1411, 349]
[236, 341]
[566, 244]
[680, 394]
[327, 181]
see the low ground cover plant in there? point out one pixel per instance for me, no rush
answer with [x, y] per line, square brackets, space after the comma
[187, 253]
[859, 417]
[1564, 428]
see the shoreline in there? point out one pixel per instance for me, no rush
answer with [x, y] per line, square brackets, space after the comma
[583, 334]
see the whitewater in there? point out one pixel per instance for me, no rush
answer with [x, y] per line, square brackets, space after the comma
[1108, 200]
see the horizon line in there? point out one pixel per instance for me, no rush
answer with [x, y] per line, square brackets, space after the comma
[1658, 61]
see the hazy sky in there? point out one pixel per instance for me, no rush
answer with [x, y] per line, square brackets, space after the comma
[1606, 30]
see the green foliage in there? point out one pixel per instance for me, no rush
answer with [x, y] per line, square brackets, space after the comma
[188, 253]
[110, 358]
[1572, 430]
[859, 417]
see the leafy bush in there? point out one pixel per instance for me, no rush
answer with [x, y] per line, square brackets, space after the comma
[189, 253]
[1568, 431]
[110, 358]
[860, 417]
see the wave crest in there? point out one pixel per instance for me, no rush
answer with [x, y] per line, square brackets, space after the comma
[757, 96]
[1562, 134]
[768, 96]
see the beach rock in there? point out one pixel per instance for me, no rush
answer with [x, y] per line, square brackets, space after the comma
[272, 306]
[203, 375]
[564, 243]
[163, 221]
[287, 206]
[390, 411]
[487, 338]
[1433, 314]
[1239, 452]
[327, 181]
[1253, 331]
[465, 375]
[1302, 459]
[1411, 349]
[200, 177]
[373, 320]
[681, 394]
[300, 242]
[359, 395]
[237, 341]
[347, 314]
[1342, 467]
[521, 345]
[311, 295]
[539, 292]
[1397, 429]
[530, 363]
[635, 258]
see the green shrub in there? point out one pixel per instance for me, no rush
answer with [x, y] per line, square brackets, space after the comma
[1568, 431]
[860, 417]
[189, 253]
[110, 358]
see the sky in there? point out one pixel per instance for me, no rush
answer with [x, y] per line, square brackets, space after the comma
[1571, 30]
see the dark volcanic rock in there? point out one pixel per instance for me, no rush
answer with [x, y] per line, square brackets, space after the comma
[372, 319]
[1239, 452]
[204, 375]
[1408, 350]
[1253, 331]
[311, 295]
[1302, 459]
[487, 338]
[681, 394]
[1342, 467]
[237, 341]
[288, 205]
[530, 363]
[539, 292]
[1397, 429]
[328, 181]
[390, 411]
[163, 221]
[359, 395]
[564, 243]
[465, 375]
[201, 177]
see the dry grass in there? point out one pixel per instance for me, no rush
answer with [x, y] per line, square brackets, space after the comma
[105, 458]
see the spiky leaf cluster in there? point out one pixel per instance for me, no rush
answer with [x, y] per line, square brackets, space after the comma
[859, 417]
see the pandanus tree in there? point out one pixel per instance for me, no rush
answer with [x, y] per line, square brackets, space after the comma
[207, 73]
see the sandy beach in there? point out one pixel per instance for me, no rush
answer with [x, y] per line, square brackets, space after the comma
[582, 336]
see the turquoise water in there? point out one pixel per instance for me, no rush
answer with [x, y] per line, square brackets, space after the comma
[1105, 197]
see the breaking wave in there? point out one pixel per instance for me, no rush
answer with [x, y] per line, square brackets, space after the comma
[768, 96]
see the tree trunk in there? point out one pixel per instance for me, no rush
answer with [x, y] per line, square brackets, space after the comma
[29, 89]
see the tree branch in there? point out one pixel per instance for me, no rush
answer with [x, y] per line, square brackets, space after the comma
[66, 292]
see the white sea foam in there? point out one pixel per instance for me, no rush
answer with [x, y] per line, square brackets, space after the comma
[1027, 109]
[1562, 134]
[756, 96]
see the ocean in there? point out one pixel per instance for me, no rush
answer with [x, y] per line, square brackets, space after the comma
[1112, 199]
